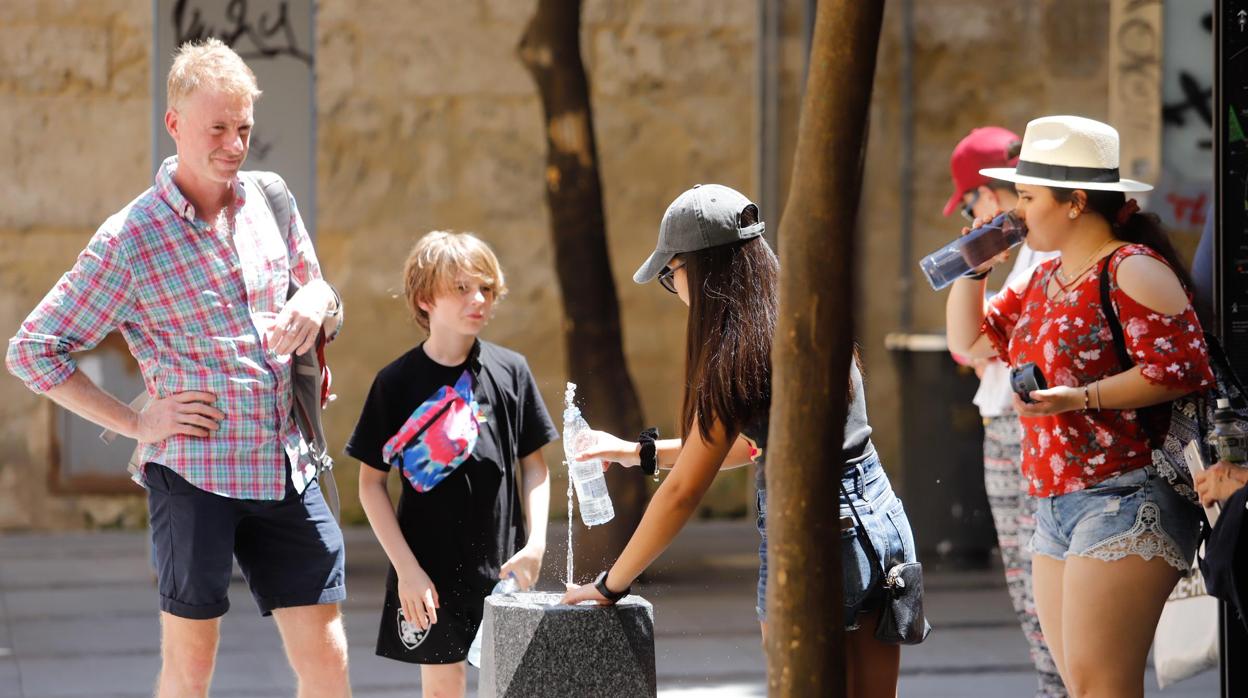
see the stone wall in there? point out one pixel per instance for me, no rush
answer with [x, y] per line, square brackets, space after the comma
[75, 110]
[427, 120]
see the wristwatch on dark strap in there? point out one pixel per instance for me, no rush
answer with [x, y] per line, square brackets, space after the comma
[601, 585]
[649, 452]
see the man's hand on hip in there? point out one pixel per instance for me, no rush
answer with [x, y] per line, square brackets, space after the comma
[296, 327]
[189, 413]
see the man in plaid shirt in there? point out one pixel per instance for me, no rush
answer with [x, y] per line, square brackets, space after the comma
[195, 273]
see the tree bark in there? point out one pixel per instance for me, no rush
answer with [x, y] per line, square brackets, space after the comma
[551, 51]
[811, 356]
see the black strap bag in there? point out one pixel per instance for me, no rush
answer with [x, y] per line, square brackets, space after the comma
[901, 619]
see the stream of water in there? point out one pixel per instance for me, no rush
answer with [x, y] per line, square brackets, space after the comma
[568, 396]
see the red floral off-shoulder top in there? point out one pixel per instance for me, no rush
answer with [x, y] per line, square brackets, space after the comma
[1069, 339]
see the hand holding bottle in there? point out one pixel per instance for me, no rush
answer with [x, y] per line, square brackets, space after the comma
[976, 251]
[599, 445]
[586, 472]
[978, 223]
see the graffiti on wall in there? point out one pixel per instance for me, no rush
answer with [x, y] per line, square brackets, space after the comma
[254, 32]
[1185, 189]
[276, 38]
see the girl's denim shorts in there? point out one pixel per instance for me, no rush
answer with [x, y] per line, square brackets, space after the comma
[1133, 513]
[887, 526]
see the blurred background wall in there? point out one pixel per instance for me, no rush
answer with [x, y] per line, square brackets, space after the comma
[427, 120]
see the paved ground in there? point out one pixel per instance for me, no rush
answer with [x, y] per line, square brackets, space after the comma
[77, 619]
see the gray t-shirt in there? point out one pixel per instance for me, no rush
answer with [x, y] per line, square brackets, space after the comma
[857, 446]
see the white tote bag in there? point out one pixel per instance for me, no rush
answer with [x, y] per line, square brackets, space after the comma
[1186, 642]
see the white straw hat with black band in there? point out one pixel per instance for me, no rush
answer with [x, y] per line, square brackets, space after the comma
[1068, 152]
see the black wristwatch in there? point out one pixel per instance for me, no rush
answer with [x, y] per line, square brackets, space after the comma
[649, 452]
[601, 585]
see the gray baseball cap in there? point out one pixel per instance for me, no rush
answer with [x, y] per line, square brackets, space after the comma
[708, 215]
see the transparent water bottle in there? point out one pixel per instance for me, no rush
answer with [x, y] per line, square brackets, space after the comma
[505, 587]
[969, 251]
[1228, 436]
[587, 476]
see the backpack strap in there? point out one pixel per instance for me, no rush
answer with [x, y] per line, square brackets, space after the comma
[1155, 418]
[278, 200]
[1225, 372]
[310, 379]
[1111, 317]
[277, 197]
[274, 190]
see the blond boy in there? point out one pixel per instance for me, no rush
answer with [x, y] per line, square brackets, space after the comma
[457, 416]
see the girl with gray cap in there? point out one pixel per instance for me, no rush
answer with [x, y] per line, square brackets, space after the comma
[712, 255]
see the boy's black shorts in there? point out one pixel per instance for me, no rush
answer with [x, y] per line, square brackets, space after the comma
[445, 642]
[290, 550]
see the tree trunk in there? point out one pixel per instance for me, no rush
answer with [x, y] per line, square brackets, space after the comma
[551, 51]
[812, 353]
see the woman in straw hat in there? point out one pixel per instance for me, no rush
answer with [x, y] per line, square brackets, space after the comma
[1111, 539]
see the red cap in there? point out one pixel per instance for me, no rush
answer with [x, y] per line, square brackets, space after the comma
[983, 147]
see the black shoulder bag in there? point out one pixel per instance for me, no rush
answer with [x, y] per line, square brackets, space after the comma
[901, 620]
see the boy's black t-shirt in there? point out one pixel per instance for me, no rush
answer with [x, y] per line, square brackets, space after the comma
[470, 523]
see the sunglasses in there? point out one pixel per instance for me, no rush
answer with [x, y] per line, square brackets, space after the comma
[667, 277]
[968, 206]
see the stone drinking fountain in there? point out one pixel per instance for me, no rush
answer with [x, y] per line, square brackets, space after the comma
[532, 646]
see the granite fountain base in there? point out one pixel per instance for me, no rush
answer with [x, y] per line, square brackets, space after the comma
[530, 646]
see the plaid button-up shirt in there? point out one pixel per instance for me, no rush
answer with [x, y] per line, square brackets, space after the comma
[193, 305]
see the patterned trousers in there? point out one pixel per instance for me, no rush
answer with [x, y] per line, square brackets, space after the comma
[1014, 513]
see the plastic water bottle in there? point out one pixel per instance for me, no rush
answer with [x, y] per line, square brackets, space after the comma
[969, 251]
[505, 587]
[587, 476]
[1228, 436]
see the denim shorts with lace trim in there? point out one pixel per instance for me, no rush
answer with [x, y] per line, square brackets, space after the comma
[1133, 513]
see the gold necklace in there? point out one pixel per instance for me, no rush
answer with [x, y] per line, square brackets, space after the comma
[1083, 268]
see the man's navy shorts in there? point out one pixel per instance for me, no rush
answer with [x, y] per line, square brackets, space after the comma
[290, 550]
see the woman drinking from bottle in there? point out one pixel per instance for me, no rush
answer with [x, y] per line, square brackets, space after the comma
[1112, 538]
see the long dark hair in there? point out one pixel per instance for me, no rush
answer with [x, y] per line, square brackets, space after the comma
[733, 300]
[1141, 228]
